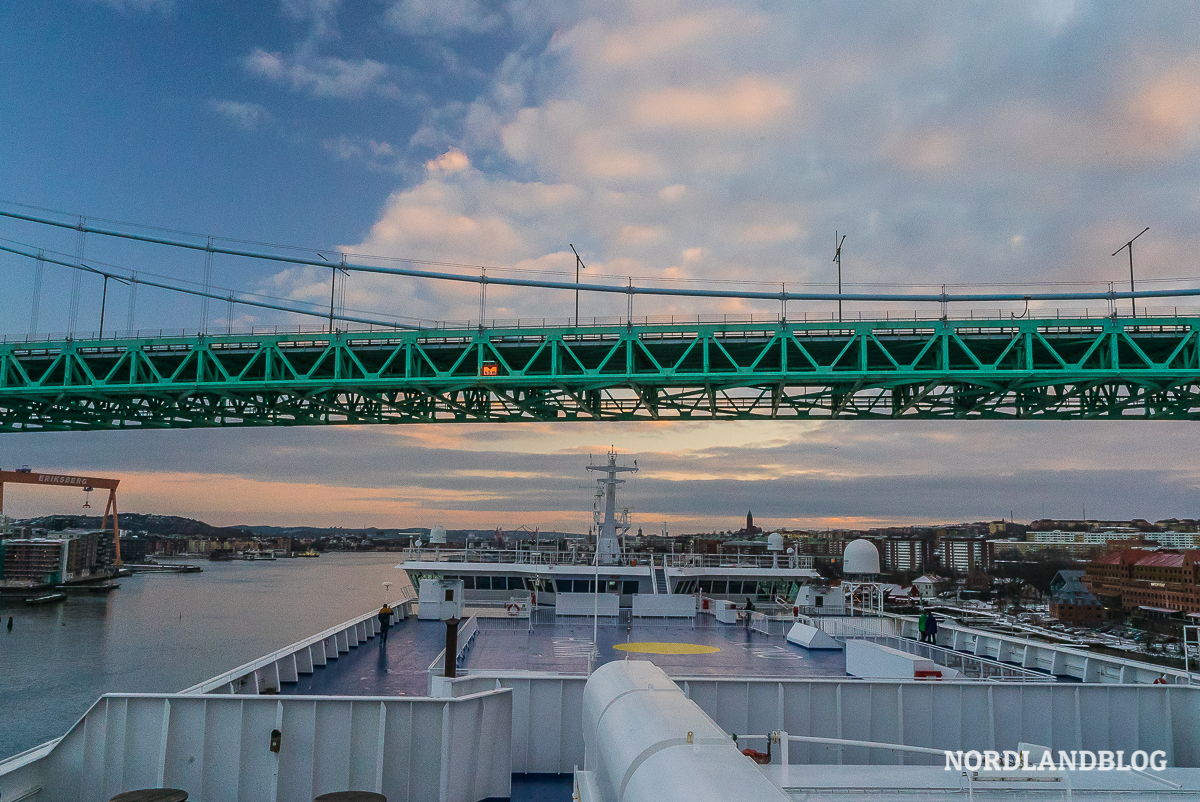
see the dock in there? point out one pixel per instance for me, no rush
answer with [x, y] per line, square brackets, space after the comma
[162, 568]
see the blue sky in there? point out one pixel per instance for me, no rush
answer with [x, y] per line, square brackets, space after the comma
[953, 143]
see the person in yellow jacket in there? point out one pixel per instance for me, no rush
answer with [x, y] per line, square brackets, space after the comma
[385, 623]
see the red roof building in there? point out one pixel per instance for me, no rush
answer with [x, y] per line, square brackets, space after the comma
[1163, 582]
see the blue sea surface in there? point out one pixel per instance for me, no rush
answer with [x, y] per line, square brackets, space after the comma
[160, 633]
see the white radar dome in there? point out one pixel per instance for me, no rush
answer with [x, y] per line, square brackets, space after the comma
[860, 557]
[774, 542]
[438, 535]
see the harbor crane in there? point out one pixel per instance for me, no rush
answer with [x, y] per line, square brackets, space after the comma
[27, 477]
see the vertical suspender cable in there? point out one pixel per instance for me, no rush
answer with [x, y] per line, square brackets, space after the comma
[208, 259]
[37, 294]
[77, 279]
[132, 305]
[342, 289]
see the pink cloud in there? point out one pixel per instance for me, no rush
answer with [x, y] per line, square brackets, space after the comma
[750, 102]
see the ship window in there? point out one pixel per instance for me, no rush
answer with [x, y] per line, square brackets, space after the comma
[720, 586]
[585, 586]
[614, 586]
[483, 583]
[468, 583]
[449, 595]
[706, 586]
[735, 586]
[564, 585]
[629, 587]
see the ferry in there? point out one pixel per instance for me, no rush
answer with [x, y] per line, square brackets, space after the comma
[658, 703]
[571, 577]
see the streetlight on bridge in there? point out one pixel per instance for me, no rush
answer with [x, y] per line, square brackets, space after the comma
[1129, 245]
[578, 264]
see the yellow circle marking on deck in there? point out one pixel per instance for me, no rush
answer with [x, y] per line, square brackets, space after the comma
[666, 648]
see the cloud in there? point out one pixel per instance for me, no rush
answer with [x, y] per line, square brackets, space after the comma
[452, 161]
[637, 44]
[748, 103]
[247, 116]
[442, 17]
[375, 154]
[443, 219]
[320, 14]
[164, 7]
[636, 235]
[767, 232]
[697, 476]
[323, 76]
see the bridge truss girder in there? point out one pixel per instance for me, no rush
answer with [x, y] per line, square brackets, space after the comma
[1010, 369]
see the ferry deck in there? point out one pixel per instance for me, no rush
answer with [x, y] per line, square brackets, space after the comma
[535, 711]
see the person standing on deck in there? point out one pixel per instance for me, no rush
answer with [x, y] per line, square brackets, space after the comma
[921, 622]
[931, 628]
[385, 623]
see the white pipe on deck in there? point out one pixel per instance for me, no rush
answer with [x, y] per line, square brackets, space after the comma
[645, 741]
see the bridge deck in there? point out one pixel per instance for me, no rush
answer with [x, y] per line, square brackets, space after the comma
[1016, 368]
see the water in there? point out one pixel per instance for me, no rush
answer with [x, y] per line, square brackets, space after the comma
[160, 633]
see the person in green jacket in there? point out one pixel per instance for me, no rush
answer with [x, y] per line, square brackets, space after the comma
[921, 625]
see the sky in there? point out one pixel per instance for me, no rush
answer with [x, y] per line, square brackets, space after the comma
[698, 144]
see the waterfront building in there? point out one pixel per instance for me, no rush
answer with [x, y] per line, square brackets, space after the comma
[34, 561]
[1072, 603]
[1159, 583]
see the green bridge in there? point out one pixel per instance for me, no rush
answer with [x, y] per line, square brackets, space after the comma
[1015, 368]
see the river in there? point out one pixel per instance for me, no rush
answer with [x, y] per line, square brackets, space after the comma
[160, 633]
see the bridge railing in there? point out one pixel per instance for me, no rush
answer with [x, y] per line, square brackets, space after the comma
[765, 318]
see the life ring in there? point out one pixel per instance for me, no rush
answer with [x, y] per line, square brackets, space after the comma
[512, 608]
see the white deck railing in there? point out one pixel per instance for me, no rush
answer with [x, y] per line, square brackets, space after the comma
[275, 749]
[585, 559]
[302, 657]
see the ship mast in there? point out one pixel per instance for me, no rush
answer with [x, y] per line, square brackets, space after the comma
[608, 549]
